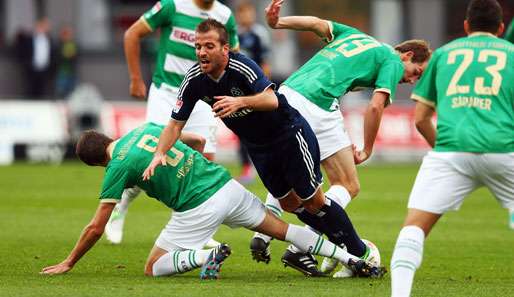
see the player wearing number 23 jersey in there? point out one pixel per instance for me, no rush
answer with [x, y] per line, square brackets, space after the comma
[469, 84]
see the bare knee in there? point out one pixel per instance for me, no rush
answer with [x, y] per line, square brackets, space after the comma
[354, 187]
[289, 204]
[314, 204]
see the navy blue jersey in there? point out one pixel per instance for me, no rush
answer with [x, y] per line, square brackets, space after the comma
[242, 77]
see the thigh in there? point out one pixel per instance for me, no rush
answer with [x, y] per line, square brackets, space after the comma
[191, 229]
[496, 172]
[340, 168]
[269, 167]
[327, 126]
[302, 165]
[159, 106]
[441, 184]
[245, 209]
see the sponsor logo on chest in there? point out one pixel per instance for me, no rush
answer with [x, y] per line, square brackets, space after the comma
[184, 36]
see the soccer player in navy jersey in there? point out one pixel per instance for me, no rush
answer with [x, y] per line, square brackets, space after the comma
[280, 142]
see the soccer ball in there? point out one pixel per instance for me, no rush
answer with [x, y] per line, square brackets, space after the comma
[373, 258]
[374, 253]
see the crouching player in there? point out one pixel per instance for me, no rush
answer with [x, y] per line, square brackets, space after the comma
[203, 195]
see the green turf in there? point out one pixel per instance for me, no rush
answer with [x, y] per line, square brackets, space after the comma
[44, 208]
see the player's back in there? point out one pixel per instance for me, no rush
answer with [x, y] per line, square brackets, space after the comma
[475, 94]
[186, 181]
[352, 60]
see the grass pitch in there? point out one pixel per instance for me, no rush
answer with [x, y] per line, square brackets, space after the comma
[44, 208]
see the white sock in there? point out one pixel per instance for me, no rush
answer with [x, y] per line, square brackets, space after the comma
[126, 198]
[274, 206]
[407, 256]
[179, 262]
[211, 244]
[294, 249]
[308, 241]
[340, 195]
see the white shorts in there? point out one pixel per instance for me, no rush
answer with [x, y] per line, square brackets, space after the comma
[328, 126]
[161, 102]
[232, 205]
[446, 178]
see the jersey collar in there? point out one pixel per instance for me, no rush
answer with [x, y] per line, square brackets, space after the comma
[480, 33]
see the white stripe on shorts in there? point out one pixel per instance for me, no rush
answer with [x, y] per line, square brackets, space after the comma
[307, 158]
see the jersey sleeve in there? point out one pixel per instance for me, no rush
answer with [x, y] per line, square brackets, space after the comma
[231, 26]
[425, 90]
[160, 14]
[337, 29]
[187, 98]
[115, 181]
[389, 75]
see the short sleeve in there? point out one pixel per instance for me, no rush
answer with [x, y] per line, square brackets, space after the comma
[114, 183]
[160, 14]
[425, 90]
[389, 75]
[232, 32]
[337, 29]
[187, 97]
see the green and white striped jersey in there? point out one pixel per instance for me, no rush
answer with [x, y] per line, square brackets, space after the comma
[470, 83]
[177, 20]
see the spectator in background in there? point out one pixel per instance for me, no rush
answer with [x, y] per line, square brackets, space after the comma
[66, 63]
[254, 42]
[35, 56]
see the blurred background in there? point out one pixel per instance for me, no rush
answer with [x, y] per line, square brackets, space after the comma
[80, 79]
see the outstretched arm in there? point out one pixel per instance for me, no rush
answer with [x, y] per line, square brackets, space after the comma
[168, 138]
[90, 235]
[300, 23]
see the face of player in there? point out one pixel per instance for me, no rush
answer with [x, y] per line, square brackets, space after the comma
[413, 71]
[211, 55]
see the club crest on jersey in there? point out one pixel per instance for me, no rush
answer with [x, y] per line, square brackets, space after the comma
[207, 99]
[178, 106]
[236, 92]
[183, 36]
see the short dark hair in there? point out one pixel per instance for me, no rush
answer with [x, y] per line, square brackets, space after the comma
[92, 148]
[484, 15]
[419, 47]
[212, 24]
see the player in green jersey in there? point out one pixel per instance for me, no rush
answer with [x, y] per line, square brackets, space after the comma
[509, 34]
[351, 60]
[468, 82]
[176, 20]
[203, 195]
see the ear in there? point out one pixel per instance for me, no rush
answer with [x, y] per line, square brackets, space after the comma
[226, 49]
[407, 56]
[466, 27]
[500, 29]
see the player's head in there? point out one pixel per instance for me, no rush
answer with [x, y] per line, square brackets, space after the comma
[246, 14]
[414, 54]
[212, 47]
[92, 148]
[484, 16]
